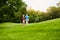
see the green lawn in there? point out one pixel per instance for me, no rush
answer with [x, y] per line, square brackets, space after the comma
[47, 30]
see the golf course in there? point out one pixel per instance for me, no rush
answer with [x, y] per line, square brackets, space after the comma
[46, 30]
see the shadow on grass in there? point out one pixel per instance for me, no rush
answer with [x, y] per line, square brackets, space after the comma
[3, 28]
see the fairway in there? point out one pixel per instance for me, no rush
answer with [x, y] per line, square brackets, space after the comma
[47, 30]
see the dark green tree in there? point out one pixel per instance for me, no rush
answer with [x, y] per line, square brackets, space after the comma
[8, 8]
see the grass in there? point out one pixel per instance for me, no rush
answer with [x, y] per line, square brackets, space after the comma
[48, 30]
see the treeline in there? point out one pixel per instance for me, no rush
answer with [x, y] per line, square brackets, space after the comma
[37, 16]
[12, 11]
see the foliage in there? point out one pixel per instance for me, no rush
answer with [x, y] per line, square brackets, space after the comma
[8, 8]
[38, 16]
[12, 11]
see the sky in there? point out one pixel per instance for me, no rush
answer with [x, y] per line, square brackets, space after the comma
[41, 5]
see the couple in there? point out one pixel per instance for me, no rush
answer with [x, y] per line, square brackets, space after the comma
[25, 19]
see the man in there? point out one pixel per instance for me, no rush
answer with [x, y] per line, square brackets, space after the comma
[27, 18]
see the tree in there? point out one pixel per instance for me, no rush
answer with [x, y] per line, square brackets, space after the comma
[58, 4]
[9, 7]
[54, 12]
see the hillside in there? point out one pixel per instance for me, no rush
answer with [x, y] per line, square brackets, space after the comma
[47, 30]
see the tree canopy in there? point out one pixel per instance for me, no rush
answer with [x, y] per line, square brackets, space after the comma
[8, 8]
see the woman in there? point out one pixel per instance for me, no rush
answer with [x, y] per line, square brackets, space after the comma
[23, 19]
